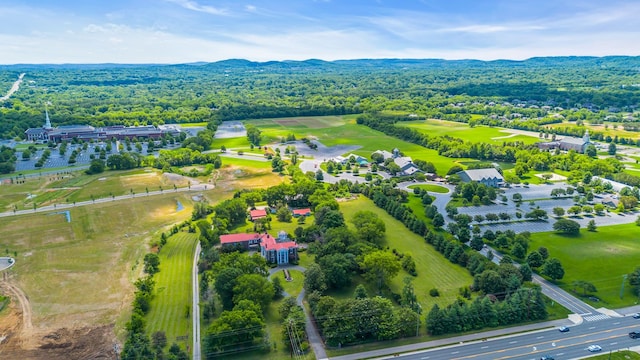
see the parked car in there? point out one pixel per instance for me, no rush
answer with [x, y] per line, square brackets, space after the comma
[594, 348]
[636, 316]
[563, 329]
[634, 335]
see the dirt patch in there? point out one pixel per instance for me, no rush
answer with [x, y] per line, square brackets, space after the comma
[20, 340]
[554, 177]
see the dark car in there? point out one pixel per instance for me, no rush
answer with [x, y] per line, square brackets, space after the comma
[563, 329]
[634, 334]
[636, 316]
[547, 357]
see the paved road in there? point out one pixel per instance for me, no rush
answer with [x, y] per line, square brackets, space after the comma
[555, 293]
[14, 88]
[196, 304]
[611, 335]
[57, 207]
[315, 340]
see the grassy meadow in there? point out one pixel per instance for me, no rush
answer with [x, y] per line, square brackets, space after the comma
[338, 130]
[81, 273]
[463, 131]
[172, 293]
[600, 257]
[434, 271]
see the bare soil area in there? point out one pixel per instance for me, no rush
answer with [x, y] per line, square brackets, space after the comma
[19, 339]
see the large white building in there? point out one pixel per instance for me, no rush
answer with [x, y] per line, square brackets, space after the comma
[490, 177]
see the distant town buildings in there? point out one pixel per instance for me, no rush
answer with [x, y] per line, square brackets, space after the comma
[87, 132]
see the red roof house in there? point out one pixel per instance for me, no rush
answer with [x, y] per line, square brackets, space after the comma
[301, 212]
[257, 214]
[244, 240]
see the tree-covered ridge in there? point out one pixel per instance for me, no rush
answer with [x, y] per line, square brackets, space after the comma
[237, 89]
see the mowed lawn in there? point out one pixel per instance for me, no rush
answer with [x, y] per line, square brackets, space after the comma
[601, 258]
[463, 131]
[343, 130]
[434, 271]
[173, 289]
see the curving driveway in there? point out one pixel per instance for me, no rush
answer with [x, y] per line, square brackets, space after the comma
[315, 340]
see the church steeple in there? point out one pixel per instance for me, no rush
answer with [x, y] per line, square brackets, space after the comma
[585, 138]
[47, 122]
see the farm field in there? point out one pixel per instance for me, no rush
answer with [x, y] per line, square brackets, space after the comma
[78, 276]
[614, 248]
[172, 293]
[463, 131]
[434, 271]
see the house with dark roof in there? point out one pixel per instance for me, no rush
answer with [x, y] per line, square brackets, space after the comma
[490, 177]
[407, 167]
[568, 143]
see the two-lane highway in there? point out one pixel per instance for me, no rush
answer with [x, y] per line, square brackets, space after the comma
[610, 334]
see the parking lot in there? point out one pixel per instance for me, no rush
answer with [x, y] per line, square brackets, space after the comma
[529, 202]
[83, 158]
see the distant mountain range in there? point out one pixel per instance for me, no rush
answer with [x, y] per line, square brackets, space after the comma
[615, 61]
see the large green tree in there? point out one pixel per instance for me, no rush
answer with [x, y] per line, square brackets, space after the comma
[553, 269]
[380, 267]
[253, 287]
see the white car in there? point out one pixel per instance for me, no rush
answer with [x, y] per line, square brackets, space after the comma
[594, 348]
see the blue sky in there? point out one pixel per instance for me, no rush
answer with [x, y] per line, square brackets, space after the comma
[178, 31]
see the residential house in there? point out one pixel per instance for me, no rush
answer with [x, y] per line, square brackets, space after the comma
[257, 214]
[301, 212]
[407, 167]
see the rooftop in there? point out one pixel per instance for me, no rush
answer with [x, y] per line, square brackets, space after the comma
[271, 243]
[235, 238]
[481, 174]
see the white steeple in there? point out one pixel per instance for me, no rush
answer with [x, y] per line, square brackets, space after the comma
[47, 122]
[585, 138]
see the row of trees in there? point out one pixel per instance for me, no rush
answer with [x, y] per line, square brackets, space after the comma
[525, 304]
[138, 345]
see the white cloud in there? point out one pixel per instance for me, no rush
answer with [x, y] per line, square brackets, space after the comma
[487, 28]
[250, 8]
[192, 5]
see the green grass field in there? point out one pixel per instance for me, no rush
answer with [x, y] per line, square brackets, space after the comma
[431, 188]
[463, 131]
[617, 355]
[340, 130]
[172, 294]
[81, 273]
[601, 258]
[434, 271]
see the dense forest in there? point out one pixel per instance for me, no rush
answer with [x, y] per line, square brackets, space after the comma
[109, 94]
